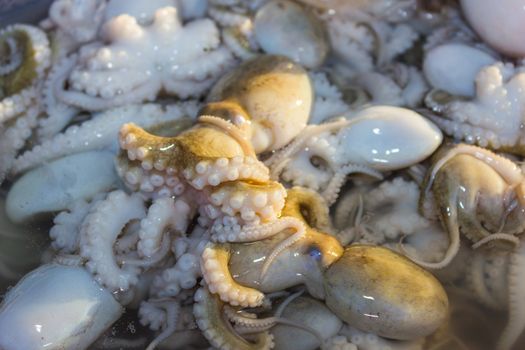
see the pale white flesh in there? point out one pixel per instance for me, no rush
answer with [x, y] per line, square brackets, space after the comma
[56, 307]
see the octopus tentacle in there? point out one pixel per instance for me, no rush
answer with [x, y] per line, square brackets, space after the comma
[300, 231]
[162, 214]
[100, 132]
[278, 161]
[162, 251]
[152, 183]
[485, 270]
[14, 138]
[186, 271]
[129, 239]
[507, 169]
[246, 323]
[160, 314]
[449, 216]
[253, 202]
[331, 191]
[214, 265]
[328, 99]
[58, 113]
[98, 234]
[208, 314]
[257, 232]
[232, 130]
[178, 153]
[497, 236]
[64, 233]
[14, 106]
[146, 92]
[516, 283]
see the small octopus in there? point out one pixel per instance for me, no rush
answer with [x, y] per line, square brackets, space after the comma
[364, 286]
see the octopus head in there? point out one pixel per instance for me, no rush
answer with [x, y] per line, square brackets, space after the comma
[269, 98]
[382, 292]
[308, 206]
[476, 193]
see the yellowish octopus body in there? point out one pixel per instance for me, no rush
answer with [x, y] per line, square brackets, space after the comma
[371, 288]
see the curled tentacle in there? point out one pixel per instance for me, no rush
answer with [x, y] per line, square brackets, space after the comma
[278, 161]
[99, 233]
[505, 167]
[231, 130]
[214, 265]
[208, 311]
[164, 213]
[449, 217]
[67, 224]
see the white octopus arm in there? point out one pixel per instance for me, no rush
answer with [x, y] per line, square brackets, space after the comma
[13, 139]
[64, 233]
[185, 272]
[328, 99]
[58, 113]
[99, 233]
[101, 132]
[163, 214]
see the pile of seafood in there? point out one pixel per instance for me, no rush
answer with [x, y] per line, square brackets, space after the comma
[315, 174]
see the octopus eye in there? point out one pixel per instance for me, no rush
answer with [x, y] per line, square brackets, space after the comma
[315, 253]
[318, 162]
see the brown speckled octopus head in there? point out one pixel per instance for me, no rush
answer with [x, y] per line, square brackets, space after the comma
[269, 98]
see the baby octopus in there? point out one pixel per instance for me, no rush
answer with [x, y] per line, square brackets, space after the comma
[136, 62]
[213, 166]
[474, 192]
[364, 286]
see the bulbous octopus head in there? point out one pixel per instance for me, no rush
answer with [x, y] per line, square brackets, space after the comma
[382, 292]
[311, 208]
[269, 98]
[476, 193]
